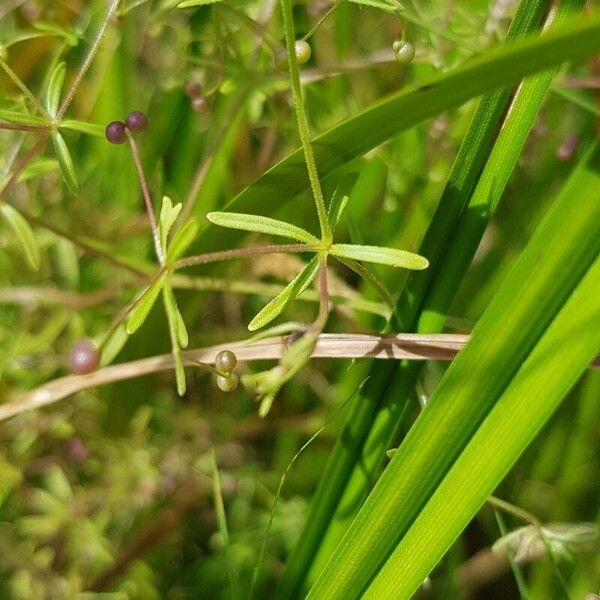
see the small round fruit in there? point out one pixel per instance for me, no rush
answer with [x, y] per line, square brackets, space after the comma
[193, 89]
[225, 360]
[115, 132]
[136, 121]
[404, 51]
[228, 383]
[303, 52]
[84, 358]
[199, 104]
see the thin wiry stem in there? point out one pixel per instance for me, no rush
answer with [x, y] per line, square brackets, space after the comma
[210, 257]
[147, 199]
[22, 127]
[87, 62]
[19, 83]
[23, 162]
[313, 175]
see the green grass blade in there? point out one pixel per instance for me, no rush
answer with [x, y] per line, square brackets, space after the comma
[380, 255]
[516, 318]
[276, 306]
[525, 406]
[182, 239]
[259, 224]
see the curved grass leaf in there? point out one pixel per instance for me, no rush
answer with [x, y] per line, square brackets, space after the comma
[275, 307]
[142, 309]
[340, 198]
[54, 90]
[65, 161]
[380, 255]
[182, 239]
[261, 224]
[24, 234]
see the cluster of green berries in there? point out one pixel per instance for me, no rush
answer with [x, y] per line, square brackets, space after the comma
[225, 363]
[115, 131]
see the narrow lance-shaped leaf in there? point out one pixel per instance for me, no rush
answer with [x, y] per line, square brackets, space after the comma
[175, 317]
[261, 224]
[83, 127]
[142, 309]
[24, 234]
[340, 199]
[291, 291]
[380, 255]
[13, 116]
[168, 214]
[182, 239]
[54, 90]
[65, 161]
[171, 311]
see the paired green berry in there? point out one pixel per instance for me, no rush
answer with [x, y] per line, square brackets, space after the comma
[116, 131]
[84, 357]
[404, 51]
[303, 52]
[225, 362]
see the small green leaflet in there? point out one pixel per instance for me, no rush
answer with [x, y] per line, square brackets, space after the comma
[178, 334]
[340, 199]
[182, 239]
[13, 116]
[24, 234]
[65, 161]
[261, 224]
[83, 127]
[289, 293]
[380, 255]
[192, 3]
[168, 214]
[144, 305]
[55, 88]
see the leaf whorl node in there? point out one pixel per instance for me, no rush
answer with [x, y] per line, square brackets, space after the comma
[115, 132]
[226, 361]
[136, 121]
[84, 358]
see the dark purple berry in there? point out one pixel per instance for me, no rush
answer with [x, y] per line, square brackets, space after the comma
[115, 132]
[84, 357]
[136, 121]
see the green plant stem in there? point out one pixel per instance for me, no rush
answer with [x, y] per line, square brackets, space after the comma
[385, 398]
[315, 184]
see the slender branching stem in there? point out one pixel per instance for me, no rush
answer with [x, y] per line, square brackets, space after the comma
[26, 91]
[323, 289]
[211, 257]
[22, 127]
[87, 62]
[313, 175]
[147, 199]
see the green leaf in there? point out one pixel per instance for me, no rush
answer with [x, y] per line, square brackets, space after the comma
[175, 323]
[24, 234]
[55, 88]
[83, 127]
[380, 255]
[261, 225]
[65, 161]
[182, 239]
[144, 305]
[168, 215]
[113, 345]
[174, 315]
[53, 29]
[274, 308]
[37, 167]
[340, 199]
[13, 116]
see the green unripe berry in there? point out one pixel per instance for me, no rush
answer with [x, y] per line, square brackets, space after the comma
[404, 51]
[228, 383]
[303, 52]
[225, 360]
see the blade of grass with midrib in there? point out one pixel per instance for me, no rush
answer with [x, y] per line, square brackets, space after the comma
[322, 528]
[561, 251]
